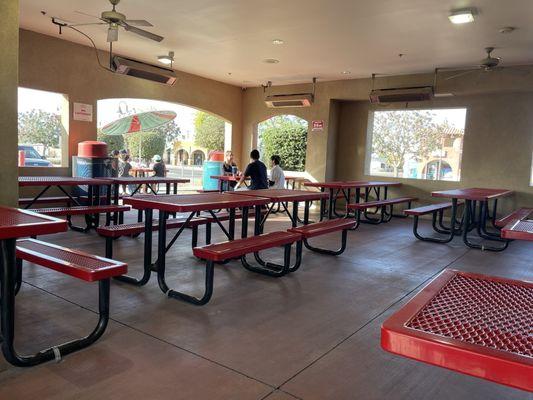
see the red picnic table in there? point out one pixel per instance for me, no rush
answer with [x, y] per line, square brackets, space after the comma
[14, 224]
[476, 214]
[60, 182]
[141, 172]
[474, 324]
[227, 179]
[191, 204]
[345, 187]
[283, 197]
[521, 229]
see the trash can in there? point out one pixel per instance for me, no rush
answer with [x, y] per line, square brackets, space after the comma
[211, 168]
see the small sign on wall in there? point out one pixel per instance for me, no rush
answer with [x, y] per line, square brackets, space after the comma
[83, 112]
[317, 125]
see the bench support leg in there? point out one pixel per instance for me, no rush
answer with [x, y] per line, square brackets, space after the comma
[209, 271]
[8, 317]
[273, 269]
[147, 263]
[344, 236]
[470, 214]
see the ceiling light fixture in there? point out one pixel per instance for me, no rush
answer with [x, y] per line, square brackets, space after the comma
[462, 16]
[278, 41]
[168, 59]
[270, 61]
[346, 72]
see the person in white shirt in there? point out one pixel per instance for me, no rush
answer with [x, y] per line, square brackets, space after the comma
[277, 177]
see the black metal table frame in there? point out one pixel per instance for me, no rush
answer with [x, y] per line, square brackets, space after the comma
[93, 199]
[475, 216]
[347, 194]
[159, 266]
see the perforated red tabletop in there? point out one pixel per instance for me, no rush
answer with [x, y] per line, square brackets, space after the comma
[520, 230]
[475, 194]
[351, 184]
[284, 195]
[16, 223]
[474, 324]
[60, 181]
[194, 202]
[124, 180]
[228, 178]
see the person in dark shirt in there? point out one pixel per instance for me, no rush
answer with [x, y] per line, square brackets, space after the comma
[256, 171]
[159, 166]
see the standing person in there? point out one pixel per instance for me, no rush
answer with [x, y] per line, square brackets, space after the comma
[230, 167]
[277, 177]
[124, 171]
[115, 154]
[256, 171]
[159, 166]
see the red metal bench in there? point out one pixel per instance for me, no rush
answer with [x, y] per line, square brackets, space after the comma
[437, 216]
[91, 213]
[323, 228]
[239, 248]
[45, 200]
[76, 264]
[517, 215]
[112, 232]
[474, 324]
[382, 205]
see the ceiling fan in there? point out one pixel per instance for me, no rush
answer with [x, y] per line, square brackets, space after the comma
[114, 20]
[488, 64]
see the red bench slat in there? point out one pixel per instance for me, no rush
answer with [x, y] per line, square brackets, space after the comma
[324, 227]
[81, 210]
[430, 208]
[44, 200]
[236, 248]
[75, 263]
[379, 203]
[136, 228]
[521, 213]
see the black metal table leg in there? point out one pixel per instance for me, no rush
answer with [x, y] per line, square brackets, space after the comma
[322, 205]
[466, 240]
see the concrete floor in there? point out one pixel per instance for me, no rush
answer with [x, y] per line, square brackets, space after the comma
[311, 335]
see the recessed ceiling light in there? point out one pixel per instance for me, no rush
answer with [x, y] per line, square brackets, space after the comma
[278, 41]
[462, 16]
[270, 61]
[507, 29]
[168, 59]
[346, 72]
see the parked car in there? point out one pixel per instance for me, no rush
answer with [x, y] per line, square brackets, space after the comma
[33, 158]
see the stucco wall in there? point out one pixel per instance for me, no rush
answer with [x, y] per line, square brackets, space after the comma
[498, 140]
[8, 101]
[49, 63]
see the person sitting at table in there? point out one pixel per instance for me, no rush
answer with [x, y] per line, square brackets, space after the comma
[115, 157]
[277, 177]
[159, 166]
[256, 171]
[230, 167]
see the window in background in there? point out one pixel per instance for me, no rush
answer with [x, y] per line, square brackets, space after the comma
[286, 136]
[43, 127]
[416, 144]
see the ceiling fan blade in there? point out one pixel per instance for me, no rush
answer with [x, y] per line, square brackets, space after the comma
[138, 22]
[461, 74]
[142, 32]
[88, 15]
[89, 23]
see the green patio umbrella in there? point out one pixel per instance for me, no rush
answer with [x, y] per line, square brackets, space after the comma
[145, 121]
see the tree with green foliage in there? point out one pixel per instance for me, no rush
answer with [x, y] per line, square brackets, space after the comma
[285, 136]
[398, 134]
[148, 144]
[171, 132]
[114, 142]
[209, 131]
[40, 127]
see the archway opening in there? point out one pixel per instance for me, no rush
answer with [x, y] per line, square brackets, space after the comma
[183, 142]
[285, 136]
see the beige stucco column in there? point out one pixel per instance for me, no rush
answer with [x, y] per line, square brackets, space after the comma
[9, 42]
